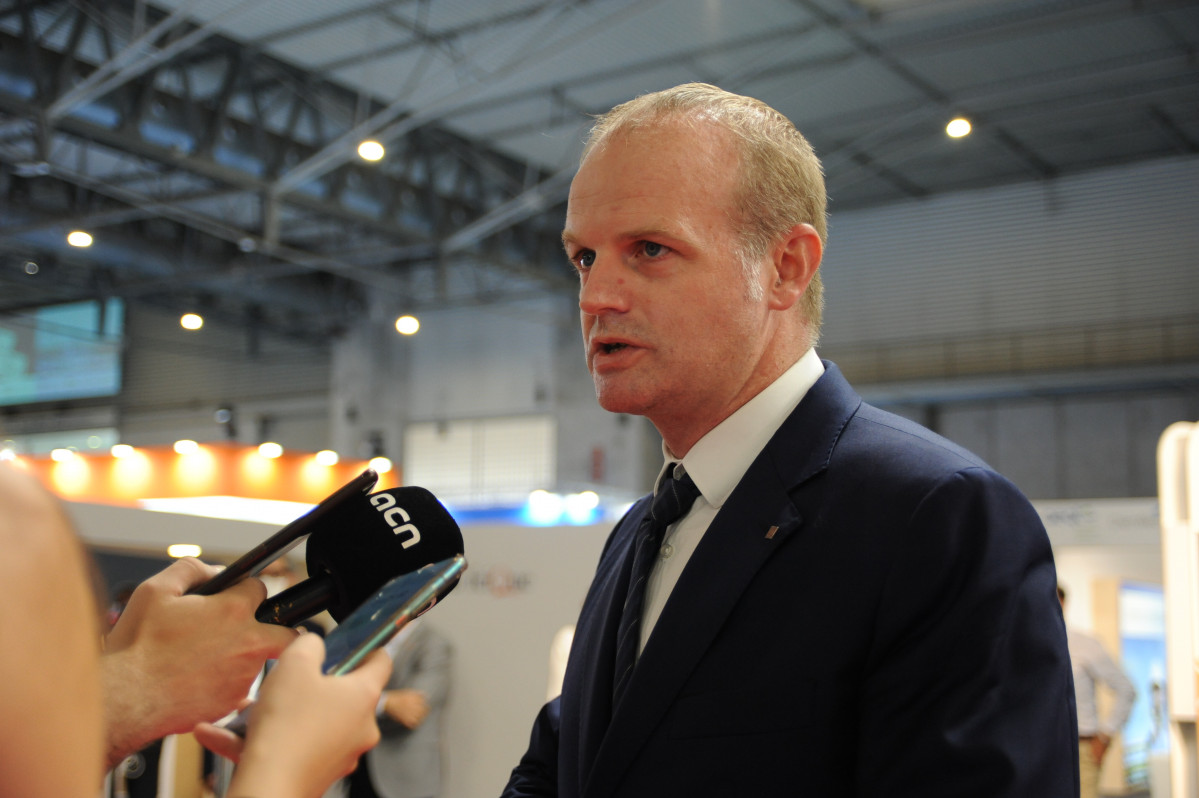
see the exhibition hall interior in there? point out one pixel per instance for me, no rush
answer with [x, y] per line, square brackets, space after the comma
[251, 248]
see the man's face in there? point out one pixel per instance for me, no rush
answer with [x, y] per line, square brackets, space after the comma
[669, 327]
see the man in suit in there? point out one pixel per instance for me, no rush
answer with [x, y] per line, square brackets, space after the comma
[852, 606]
[407, 761]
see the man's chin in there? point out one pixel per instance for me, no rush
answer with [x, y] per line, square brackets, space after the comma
[615, 400]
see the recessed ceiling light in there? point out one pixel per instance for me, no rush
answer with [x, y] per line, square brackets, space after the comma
[958, 127]
[407, 325]
[371, 150]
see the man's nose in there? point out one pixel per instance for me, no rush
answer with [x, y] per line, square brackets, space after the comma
[604, 288]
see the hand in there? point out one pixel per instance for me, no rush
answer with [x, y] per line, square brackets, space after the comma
[306, 730]
[1099, 745]
[173, 660]
[409, 707]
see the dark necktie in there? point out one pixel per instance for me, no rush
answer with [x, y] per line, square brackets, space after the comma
[673, 500]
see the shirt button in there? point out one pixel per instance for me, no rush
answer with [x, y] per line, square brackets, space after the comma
[667, 550]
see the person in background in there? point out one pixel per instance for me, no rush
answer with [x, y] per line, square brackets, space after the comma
[407, 762]
[170, 662]
[1093, 666]
[834, 601]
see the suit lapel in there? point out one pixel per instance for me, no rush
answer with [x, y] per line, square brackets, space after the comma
[754, 523]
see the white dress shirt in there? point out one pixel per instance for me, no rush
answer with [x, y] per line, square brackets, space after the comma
[716, 463]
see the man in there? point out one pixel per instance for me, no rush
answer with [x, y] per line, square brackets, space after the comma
[853, 606]
[1092, 666]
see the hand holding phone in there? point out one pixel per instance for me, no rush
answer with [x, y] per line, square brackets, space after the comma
[378, 619]
[309, 728]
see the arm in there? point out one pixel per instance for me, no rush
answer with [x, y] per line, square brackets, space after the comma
[968, 687]
[173, 660]
[50, 741]
[306, 730]
[537, 774]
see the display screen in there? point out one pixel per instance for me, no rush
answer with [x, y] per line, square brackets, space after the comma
[61, 352]
[373, 623]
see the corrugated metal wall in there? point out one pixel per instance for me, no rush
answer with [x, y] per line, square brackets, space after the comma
[1088, 271]
[174, 380]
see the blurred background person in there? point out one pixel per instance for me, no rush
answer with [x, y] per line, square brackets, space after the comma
[1093, 666]
[407, 762]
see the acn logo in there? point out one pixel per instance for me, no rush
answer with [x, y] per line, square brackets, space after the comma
[397, 518]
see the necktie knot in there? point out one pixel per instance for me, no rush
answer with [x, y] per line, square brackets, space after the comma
[674, 498]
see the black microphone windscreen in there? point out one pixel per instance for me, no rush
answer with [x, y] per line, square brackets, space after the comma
[394, 532]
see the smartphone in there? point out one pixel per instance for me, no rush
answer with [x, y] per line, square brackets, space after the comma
[252, 562]
[384, 614]
[378, 619]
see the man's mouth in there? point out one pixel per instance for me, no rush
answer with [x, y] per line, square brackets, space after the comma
[608, 349]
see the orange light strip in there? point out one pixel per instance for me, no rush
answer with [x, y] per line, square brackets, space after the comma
[214, 469]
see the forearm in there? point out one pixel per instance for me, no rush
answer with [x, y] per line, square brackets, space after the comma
[131, 721]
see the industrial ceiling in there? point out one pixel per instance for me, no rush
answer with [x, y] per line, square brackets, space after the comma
[210, 146]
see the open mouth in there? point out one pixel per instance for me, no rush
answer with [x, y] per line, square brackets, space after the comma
[608, 349]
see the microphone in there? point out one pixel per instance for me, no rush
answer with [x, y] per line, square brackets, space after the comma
[326, 514]
[395, 532]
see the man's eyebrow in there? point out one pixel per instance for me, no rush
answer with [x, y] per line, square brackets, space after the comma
[633, 235]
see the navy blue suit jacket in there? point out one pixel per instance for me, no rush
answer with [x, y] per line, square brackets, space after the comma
[872, 613]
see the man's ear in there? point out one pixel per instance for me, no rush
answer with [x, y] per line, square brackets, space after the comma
[795, 259]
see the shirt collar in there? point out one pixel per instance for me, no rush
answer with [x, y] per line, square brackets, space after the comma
[719, 459]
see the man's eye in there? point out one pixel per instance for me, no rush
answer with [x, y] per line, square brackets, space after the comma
[584, 259]
[653, 249]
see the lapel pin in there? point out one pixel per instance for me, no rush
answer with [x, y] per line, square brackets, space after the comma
[770, 532]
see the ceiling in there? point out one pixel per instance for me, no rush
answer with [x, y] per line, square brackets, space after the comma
[210, 145]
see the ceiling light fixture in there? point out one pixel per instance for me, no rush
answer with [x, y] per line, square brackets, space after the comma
[178, 550]
[191, 321]
[270, 449]
[959, 127]
[371, 151]
[79, 238]
[407, 325]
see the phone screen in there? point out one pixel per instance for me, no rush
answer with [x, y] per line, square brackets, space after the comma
[378, 618]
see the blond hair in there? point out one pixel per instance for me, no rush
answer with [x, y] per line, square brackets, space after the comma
[781, 182]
